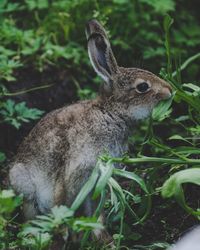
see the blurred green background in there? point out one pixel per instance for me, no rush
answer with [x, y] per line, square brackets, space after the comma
[43, 35]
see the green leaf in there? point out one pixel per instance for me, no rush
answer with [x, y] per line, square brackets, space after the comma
[195, 130]
[162, 110]
[187, 150]
[2, 157]
[167, 24]
[16, 114]
[47, 223]
[8, 201]
[168, 21]
[43, 226]
[106, 173]
[118, 236]
[173, 187]
[61, 213]
[134, 236]
[86, 223]
[192, 86]
[132, 176]
[86, 189]
[179, 137]
[118, 192]
[120, 1]
[161, 6]
[182, 118]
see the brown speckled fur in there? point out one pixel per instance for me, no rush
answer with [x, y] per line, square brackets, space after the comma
[59, 154]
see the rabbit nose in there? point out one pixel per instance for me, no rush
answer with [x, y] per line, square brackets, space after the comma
[166, 92]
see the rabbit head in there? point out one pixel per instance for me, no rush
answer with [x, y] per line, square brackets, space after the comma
[139, 90]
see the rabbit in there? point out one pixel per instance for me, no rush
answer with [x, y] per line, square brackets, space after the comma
[57, 157]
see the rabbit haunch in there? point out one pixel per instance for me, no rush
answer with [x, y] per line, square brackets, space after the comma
[59, 154]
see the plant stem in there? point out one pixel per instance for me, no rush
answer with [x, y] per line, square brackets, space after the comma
[27, 90]
[155, 160]
[121, 227]
[186, 63]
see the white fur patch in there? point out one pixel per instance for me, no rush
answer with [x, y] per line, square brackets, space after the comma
[44, 190]
[139, 113]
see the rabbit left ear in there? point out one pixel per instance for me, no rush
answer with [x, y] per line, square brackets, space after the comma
[99, 50]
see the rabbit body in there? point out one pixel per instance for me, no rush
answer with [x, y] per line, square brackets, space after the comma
[59, 154]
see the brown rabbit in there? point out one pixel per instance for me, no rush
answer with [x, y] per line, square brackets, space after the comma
[59, 154]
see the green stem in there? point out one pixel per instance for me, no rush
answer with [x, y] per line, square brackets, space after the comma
[27, 90]
[96, 214]
[121, 227]
[155, 160]
[186, 63]
[155, 143]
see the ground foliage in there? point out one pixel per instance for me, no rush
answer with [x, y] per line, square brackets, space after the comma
[44, 65]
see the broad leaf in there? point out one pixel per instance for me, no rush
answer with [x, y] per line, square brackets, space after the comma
[173, 187]
[16, 114]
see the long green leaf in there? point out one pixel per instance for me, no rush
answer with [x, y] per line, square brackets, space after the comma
[106, 173]
[173, 187]
[132, 176]
[86, 189]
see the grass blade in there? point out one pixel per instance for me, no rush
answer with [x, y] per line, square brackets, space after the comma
[106, 173]
[86, 189]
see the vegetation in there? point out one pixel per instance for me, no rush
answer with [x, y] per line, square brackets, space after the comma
[38, 37]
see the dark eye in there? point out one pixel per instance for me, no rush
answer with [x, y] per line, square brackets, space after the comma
[142, 87]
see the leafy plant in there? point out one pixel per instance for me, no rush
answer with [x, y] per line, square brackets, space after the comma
[38, 233]
[15, 114]
[8, 203]
[173, 187]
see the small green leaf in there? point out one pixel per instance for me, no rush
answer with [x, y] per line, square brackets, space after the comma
[86, 223]
[179, 137]
[135, 236]
[16, 114]
[117, 236]
[2, 157]
[168, 21]
[185, 150]
[162, 110]
[132, 176]
[8, 201]
[60, 213]
[160, 6]
[192, 87]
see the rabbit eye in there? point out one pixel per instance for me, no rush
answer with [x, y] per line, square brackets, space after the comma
[142, 87]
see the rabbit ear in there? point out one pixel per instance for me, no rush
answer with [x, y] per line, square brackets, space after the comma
[100, 53]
